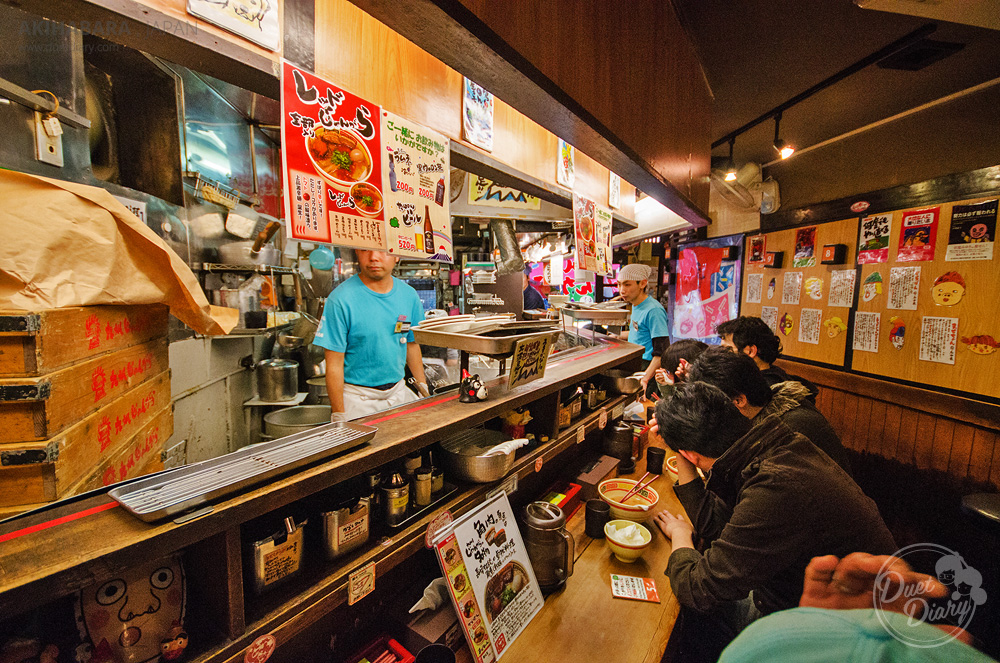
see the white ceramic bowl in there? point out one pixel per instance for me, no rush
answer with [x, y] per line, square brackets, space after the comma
[641, 505]
[626, 552]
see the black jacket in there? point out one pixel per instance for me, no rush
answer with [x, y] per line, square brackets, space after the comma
[773, 375]
[773, 502]
[790, 401]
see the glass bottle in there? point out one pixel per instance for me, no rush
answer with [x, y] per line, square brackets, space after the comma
[395, 498]
[392, 173]
[428, 231]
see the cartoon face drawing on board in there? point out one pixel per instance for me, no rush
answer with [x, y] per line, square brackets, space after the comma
[770, 289]
[872, 287]
[786, 323]
[897, 332]
[814, 287]
[834, 326]
[981, 344]
[137, 616]
[976, 232]
[948, 289]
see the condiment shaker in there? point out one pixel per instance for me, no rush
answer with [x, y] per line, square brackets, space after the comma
[395, 498]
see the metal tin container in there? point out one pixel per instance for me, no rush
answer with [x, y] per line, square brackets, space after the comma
[346, 529]
[422, 486]
[278, 557]
[277, 380]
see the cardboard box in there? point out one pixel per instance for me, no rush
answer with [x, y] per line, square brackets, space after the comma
[593, 474]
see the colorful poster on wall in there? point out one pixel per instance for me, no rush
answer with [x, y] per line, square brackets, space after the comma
[566, 165]
[918, 234]
[842, 288]
[755, 288]
[487, 193]
[866, 331]
[592, 224]
[810, 324]
[758, 250]
[477, 115]
[415, 169]
[791, 288]
[904, 288]
[332, 159]
[873, 240]
[487, 566]
[938, 339]
[805, 247]
[256, 21]
[769, 314]
[707, 291]
[614, 191]
[973, 231]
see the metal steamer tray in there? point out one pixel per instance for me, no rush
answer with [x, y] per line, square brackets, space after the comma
[612, 317]
[493, 339]
[168, 494]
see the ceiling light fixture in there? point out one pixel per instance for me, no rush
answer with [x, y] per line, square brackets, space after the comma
[783, 148]
[731, 166]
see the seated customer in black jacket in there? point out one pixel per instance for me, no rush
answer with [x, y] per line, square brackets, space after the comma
[773, 501]
[738, 376]
[751, 336]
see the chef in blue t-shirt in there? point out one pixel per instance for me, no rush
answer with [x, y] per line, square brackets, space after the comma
[365, 331]
[648, 325]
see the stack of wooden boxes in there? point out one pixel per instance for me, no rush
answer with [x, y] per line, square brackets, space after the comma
[84, 400]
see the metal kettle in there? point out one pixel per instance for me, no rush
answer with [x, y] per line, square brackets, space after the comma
[550, 547]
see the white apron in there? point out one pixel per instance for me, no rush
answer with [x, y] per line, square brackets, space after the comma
[362, 401]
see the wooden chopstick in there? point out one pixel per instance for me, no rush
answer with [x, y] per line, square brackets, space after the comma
[635, 488]
[639, 488]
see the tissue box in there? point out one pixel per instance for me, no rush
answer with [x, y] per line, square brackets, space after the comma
[593, 474]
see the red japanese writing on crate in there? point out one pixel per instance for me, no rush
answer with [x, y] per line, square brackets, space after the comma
[136, 454]
[118, 376]
[124, 420]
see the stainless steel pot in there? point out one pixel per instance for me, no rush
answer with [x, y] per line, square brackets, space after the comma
[462, 455]
[621, 382]
[277, 380]
[238, 253]
[317, 391]
[295, 419]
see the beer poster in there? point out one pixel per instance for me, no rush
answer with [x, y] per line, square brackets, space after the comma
[917, 235]
[416, 165]
[332, 163]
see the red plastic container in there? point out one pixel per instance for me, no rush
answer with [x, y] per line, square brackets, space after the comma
[380, 645]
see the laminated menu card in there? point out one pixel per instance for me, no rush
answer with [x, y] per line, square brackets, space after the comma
[632, 587]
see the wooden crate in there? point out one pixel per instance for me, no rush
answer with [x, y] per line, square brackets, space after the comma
[142, 454]
[45, 470]
[38, 342]
[37, 408]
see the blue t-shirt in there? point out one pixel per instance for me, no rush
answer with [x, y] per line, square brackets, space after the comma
[649, 321]
[371, 329]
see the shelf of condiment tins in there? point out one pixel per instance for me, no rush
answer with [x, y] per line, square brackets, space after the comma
[302, 609]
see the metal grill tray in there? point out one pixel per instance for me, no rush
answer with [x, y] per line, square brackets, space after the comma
[170, 493]
[605, 316]
[492, 340]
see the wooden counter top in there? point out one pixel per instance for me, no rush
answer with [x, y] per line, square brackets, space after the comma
[584, 622]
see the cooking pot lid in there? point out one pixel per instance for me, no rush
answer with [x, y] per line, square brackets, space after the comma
[544, 515]
[277, 363]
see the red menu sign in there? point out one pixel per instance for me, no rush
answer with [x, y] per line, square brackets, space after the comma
[330, 146]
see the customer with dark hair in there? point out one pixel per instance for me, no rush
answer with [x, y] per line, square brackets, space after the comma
[674, 363]
[738, 376]
[753, 337]
[773, 501]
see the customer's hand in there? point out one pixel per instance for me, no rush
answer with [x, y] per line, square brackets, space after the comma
[851, 583]
[663, 377]
[683, 369]
[671, 525]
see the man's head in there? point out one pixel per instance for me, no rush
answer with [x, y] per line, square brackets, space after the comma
[700, 422]
[750, 336]
[736, 374]
[687, 349]
[375, 265]
[632, 282]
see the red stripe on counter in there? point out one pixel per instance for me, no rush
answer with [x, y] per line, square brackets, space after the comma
[412, 409]
[58, 521]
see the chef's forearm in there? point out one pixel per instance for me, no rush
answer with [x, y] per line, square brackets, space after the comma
[335, 380]
[415, 362]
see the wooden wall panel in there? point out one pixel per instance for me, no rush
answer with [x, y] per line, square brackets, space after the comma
[982, 455]
[366, 57]
[976, 313]
[961, 450]
[829, 350]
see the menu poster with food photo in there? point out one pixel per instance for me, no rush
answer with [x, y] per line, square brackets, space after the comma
[904, 288]
[566, 165]
[330, 149]
[415, 184]
[805, 247]
[938, 339]
[973, 230]
[873, 242]
[755, 288]
[842, 288]
[477, 115]
[917, 235]
[593, 235]
[483, 552]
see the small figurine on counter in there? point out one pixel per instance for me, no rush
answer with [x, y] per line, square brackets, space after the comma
[473, 390]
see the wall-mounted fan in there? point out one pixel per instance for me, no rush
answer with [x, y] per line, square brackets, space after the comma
[739, 192]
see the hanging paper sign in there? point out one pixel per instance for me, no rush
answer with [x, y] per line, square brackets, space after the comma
[834, 326]
[487, 193]
[490, 577]
[755, 286]
[938, 339]
[866, 331]
[415, 173]
[904, 288]
[842, 288]
[810, 323]
[873, 242]
[593, 235]
[897, 332]
[805, 247]
[331, 149]
[256, 21]
[791, 288]
[614, 191]
[973, 230]
[758, 250]
[530, 357]
[566, 165]
[477, 115]
[981, 344]
[917, 235]
[769, 314]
